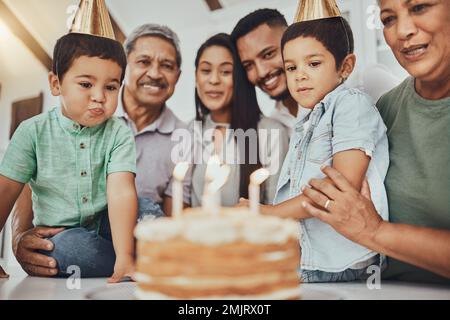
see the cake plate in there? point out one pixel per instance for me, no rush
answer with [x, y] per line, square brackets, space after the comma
[125, 291]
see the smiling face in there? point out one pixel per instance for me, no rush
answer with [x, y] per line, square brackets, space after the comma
[89, 90]
[418, 31]
[214, 78]
[152, 71]
[260, 54]
[310, 71]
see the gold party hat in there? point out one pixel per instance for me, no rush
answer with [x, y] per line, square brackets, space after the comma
[316, 9]
[93, 18]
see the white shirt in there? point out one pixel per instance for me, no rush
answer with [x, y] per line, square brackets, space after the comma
[282, 114]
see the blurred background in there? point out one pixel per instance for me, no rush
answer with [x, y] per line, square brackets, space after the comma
[30, 28]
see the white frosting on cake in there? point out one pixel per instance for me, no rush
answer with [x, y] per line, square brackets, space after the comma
[230, 226]
[211, 281]
[159, 229]
[213, 231]
[275, 256]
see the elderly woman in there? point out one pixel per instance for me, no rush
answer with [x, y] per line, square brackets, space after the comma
[417, 116]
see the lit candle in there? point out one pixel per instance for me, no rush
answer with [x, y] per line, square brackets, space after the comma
[211, 196]
[177, 188]
[212, 168]
[256, 179]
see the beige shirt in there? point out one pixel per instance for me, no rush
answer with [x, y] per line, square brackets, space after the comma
[155, 147]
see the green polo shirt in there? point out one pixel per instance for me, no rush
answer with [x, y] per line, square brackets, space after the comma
[67, 166]
[418, 179]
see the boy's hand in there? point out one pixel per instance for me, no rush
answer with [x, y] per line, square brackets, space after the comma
[124, 267]
[3, 274]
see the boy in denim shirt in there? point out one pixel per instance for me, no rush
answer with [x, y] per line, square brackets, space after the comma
[79, 161]
[336, 126]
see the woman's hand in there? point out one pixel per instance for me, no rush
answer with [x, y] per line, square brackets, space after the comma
[339, 204]
[124, 267]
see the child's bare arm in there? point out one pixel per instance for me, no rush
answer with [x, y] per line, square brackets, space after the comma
[122, 208]
[352, 164]
[9, 191]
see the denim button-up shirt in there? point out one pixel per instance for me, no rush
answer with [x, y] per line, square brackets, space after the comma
[345, 119]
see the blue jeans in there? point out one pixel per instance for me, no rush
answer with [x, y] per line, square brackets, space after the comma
[309, 276]
[91, 251]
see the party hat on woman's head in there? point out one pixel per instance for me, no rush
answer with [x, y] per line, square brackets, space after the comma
[316, 9]
[92, 18]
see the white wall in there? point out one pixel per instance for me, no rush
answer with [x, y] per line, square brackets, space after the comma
[29, 82]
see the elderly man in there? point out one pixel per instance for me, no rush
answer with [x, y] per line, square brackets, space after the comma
[258, 40]
[153, 70]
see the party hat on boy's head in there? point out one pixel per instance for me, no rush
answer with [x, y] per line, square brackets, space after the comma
[316, 9]
[92, 18]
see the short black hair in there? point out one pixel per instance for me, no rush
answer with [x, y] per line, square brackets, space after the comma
[74, 45]
[334, 33]
[271, 17]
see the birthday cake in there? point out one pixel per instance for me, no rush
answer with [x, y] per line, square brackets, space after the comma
[233, 255]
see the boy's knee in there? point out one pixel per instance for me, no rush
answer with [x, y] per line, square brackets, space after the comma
[82, 250]
[68, 244]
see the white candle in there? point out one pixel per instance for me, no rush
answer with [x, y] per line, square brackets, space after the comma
[211, 196]
[210, 202]
[256, 179]
[177, 188]
[212, 168]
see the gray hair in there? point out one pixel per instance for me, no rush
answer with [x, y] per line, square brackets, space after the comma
[152, 29]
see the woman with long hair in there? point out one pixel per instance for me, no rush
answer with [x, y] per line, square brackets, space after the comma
[232, 125]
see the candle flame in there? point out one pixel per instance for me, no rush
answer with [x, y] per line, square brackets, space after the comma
[259, 176]
[220, 177]
[180, 170]
[212, 167]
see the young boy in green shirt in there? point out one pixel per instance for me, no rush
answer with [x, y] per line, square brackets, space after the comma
[80, 161]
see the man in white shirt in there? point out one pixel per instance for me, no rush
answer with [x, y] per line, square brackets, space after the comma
[258, 39]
